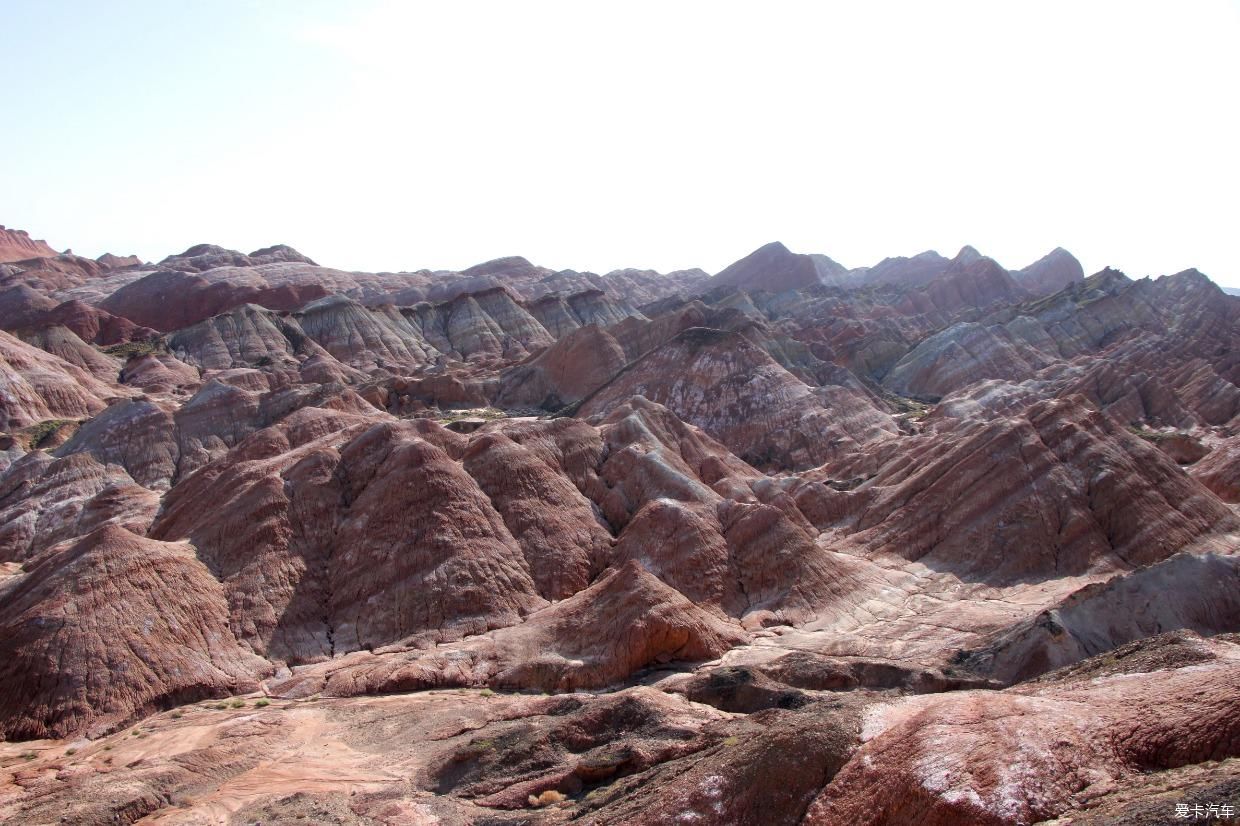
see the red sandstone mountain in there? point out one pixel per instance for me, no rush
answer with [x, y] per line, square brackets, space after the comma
[924, 542]
[1051, 273]
[915, 271]
[775, 269]
[17, 245]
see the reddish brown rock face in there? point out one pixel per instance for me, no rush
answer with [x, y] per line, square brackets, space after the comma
[132, 625]
[17, 245]
[40, 386]
[1220, 470]
[581, 362]
[25, 309]
[1025, 755]
[1051, 273]
[724, 383]
[928, 542]
[774, 268]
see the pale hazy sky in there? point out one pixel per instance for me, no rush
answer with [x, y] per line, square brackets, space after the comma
[583, 135]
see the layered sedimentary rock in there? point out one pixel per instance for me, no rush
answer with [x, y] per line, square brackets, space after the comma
[970, 282]
[1063, 483]
[168, 300]
[17, 245]
[25, 310]
[48, 500]
[627, 620]
[642, 287]
[117, 262]
[490, 323]
[1026, 755]
[929, 541]
[564, 542]
[1198, 592]
[23, 306]
[363, 338]
[579, 363]
[72, 612]
[915, 271]
[245, 336]
[775, 268]
[561, 315]
[1220, 470]
[379, 520]
[1051, 273]
[1129, 326]
[36, 386]
[66, 345]
[734, 390]
[203, 257]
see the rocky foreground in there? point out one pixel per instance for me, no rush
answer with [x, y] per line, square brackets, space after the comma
[928, 542]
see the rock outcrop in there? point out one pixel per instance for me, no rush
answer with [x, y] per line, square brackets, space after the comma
[776, 269]
[624, 622]
[909, 272]
[1073, 491]
[579, 363]
[386, 518]
[732, 389]
[116, 262]
[202, 257]
[1026, 755]
[17, 245]
[128, 625]
[929, 541]
[1220, 470]
[37, 386]
[1051, 273]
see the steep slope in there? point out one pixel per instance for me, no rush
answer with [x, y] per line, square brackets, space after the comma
[830, 545]
[1050, 273]
[1026, 755]
[561, 314]
[626, 620]
[44, 501]
[488, 324]
[735, 391]
[1058, 491]
[17, 245]
[565, 373]
[776, 269]
[71, 614]
[36, 386]
[361, 338]
[1164, 349]
[910, 272]
[385, 518]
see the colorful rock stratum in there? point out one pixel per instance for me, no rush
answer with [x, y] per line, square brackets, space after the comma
[928, 542]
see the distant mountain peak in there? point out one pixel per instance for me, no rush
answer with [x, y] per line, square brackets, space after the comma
[203, 257]
[967, 255]
[1051, 273]
[508, 265]
[775, 246]
[774, 268]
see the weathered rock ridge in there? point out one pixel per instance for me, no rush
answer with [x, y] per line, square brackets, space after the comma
[929, 541]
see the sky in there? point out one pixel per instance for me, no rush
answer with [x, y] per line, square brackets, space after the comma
[379, 135]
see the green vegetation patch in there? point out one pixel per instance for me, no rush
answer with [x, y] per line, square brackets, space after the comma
[1153, 436]
[488, 413]
[129, 349]
[36, 434]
